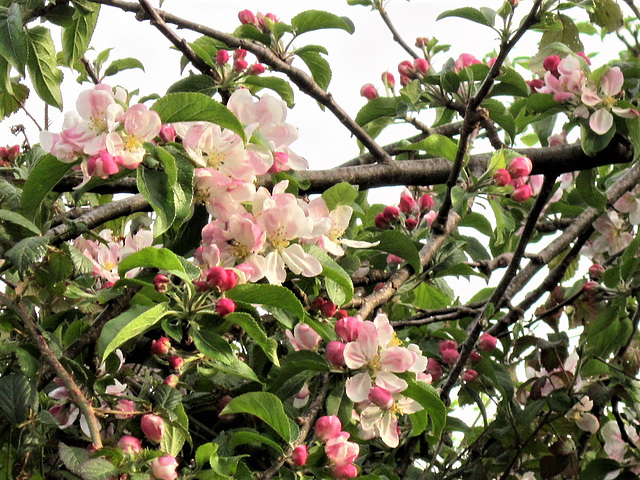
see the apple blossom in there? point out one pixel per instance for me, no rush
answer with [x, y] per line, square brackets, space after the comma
[130, 445]
[303, 337]
[327, 427]
[225, 306]
[368, 91]
[335, 353]
[487, 342]
[164, 468]
[160, 346]
[153, 427]
[299, 455]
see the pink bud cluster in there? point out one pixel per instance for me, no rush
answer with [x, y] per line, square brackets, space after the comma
[449, 353]
[412, 70]
[408, 214]
[347, 329]
[340, 452]
[517, 175]
[238, 65]
[260, 20]
[8, 155]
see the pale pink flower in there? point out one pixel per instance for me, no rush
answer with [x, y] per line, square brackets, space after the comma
[630, 204]
[465, 60]
[164, 468]
[614, 446]
[580, 414]
[612, 237]
[301, 398]
[568, 85]
[380, 422]
[340, 451]
[140, 125]
[222, 195]
[303, 337]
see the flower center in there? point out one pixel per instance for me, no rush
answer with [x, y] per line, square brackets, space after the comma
[215, 158]
[240, 250]
[132, 143]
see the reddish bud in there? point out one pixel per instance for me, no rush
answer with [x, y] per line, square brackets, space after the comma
[240, 65]
[410, 224]
[222, 57]
[328, 308]
[335, 353]
[272, 17]
[422, 42]
[164, 468]
[434, 368]
[469, 375]
[167, 133]
[153, 427]
[584, 55]
[394, 259]
[388, 79]
[299, 455]
[391, 213]
[447, 345]
[317, 303]
[256, 69]
[521, 193]
[535, 83]
[130, 445]
[225, 306]
[161, 346]
[368, 91]
[595, 272]
[344, 472]
[426, 202]
[501, 178]
[421, 65]
[347, 328]
[381, 397]
[176, 362]
[475, 357]
[12, 153]
[404, 80]
[341, 313]
[247, 17]
[239, 54]
[201, 286]
[590, 287]
[520, 167]
[327, 427]
[407, 204]
[514, 3]
[171, 380]
[450, 356]
[406, 68]
[381, 221]
[551, 63]
[487, 342]
[223, 278]
[161, 282]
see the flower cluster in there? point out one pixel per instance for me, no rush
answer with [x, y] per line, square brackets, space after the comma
[410, 213]
[340, 451]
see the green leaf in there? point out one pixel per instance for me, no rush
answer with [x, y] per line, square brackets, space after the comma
[278, 85]
[12, 97]
[337, 280]
[501, 115]
[467, 13]
[268, 345]
[27, 252]
[244, 437]
[43, 177]
[237, 368]
[139, 321]
[154, 185]
[317, 20]
[73, 457]
[251, 32]
[212, 345]
[159, 258]
[77, 35]
[437, 145]
[195, 83]
[376, 108]
[607, 14]
[318, 66]
[568, 34]
[397, 243]
[97, 469]
[513, 79]
[599, 468]
[45, 76]
[13, 41]
[192, 107]
[175, 433]
[267, 407]
[14, 394]
[429, 298]
[293, 364]
[428, 398]
[17, 219]
[588, 191]
[591, 142]
[268, 295]
[478, 221]
[342, 193]
[123, 64]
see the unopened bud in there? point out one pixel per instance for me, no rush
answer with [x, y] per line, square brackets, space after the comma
[520, 167]
[167, 133]
[381, 397]
[422, 42]
[521, 193]
[407, 204]
[130, 445]
[328, 308]
[176, 362]
[596, 271]
[225, 306]
[410, 224]
[434, 368]
[469, 375]
[161, 282]
[426, 202]
[153, 427]
[584, 55]
[161, 346]
[381, 221]
[487, 342]
[501, 177]
[256, 69]
[335, 353]
[222, 57]
[406, 68]
[368, 91]
[550, 64]
[171, 380]
[247, 17]
[239, 54]
[388, 79]
[535, 83]
[391, 213]
[421, 65]
[475, 357]
[240, 65]
[347, 328]
[299, 455]
[344, 472]
[327, 427]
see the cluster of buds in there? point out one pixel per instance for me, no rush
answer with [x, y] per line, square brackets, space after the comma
[327, 308]
[8, 155]
[261, 21]
[408, 213]
[239, 64]
[220, 278]
[517, 176]
[413, 70]
[449, 354]
[340, 452]
[347, 330]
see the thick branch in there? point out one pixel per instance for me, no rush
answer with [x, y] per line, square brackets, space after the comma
[303, 81]
[50, 357]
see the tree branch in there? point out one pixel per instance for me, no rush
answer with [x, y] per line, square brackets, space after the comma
[396, 36]
[90, 71]
[633, 8]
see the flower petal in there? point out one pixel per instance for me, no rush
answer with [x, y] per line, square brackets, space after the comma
[601, 121]
[358, 386]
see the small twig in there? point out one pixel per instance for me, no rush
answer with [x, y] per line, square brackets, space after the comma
[556, 308]
[90, 70]
[419, 125]
[633, 8]
[492, 134]
[396, 35]
[50, 357]
[488, 266]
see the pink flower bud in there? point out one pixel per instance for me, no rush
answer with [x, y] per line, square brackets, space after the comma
[102, 165]
[394, 259]
[222, 57]
[501, 178]
[327, 427]
[475, 357]
[130, 445]
[584, 55]
[447, 345]
[520, 167]
[404, 80]
[347, 328]
[381, 397]
[223, 278]
[272, 17]
[317, 303]
[171, 380]
[164, 468]
[426, 202]
[256, 69]
[450, 356]
[161, 282]
[239, 54]
[152, 427]
[225, 306]
[161, 346]
[487, 342]
[521, 193]
[201, 286]
[299, 455]
[381, 221]
[176, 362]
[247, 17]
[421, 65]
[391, 213]
[368, 91]
[388, 79]
[550, 64]
[167, 133]
[341, 313]
[125, 406]
[422, 42]
[410, 224]
[434, 368]
[590, 287]
[240, 65]
[328, 308]
[407, 204]
[535, 83]
[469, 375]
[465, 60]
[514, 3]
[344, 472]
[335, 353]
[303, 338]
[595, 271]
[340, 451]
[406, 68]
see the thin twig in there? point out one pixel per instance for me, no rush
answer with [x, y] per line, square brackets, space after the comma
[396, 35]
[90, 70]
[633, 8]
